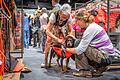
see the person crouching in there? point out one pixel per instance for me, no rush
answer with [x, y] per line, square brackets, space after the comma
[92, 53]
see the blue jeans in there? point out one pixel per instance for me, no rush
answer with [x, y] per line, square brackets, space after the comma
[26, 38]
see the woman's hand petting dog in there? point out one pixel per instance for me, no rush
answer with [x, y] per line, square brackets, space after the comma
[62, 41]
[72, 50]
[68, 43]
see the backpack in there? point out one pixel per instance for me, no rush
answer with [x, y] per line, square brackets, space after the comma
[54, 10]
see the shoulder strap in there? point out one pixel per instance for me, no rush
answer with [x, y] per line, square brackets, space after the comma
[57, 20]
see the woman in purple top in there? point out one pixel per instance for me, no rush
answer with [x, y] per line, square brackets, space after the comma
[91, 55]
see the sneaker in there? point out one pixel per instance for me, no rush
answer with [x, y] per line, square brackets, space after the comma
[43, 65]
[101, 70]
[82, 73]
[96, 74]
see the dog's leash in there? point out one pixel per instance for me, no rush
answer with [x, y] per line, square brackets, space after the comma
[63, 51]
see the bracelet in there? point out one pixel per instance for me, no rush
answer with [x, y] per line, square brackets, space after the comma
[68, 49]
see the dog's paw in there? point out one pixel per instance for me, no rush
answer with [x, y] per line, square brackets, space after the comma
[49, 66]
[64, 70]
[68, 68]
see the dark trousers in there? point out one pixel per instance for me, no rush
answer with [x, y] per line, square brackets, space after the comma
[43, 39]
[91, 54]
[35, 37]
[30, 36]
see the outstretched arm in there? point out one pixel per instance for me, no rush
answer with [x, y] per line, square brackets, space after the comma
[50, 34]
[72, 50]
[48, 31]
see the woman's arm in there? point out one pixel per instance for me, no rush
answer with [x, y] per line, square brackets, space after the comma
[72, 50]
[50, 34]
[48, 31]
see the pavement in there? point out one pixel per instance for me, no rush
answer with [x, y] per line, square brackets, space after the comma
[33, 58]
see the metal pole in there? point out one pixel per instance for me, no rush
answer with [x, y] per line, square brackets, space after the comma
[75, 6]
[36, 2]
[22, 33]
[108, 13]
[8, 41]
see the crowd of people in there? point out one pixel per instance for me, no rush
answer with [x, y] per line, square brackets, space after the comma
[33, 25]
[93, 51]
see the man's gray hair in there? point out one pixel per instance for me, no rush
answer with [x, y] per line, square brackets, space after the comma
[66, 8]
[44, 10]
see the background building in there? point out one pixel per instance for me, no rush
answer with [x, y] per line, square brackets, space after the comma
[45, 3]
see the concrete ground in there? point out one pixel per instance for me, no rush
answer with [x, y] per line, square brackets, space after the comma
[33, 59]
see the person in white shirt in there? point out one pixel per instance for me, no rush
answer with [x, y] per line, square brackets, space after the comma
[43, 22]
[55, 4]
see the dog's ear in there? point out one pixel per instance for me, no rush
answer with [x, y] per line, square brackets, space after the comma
[70, 36]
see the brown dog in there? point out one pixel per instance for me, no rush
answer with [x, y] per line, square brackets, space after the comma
[69, 43]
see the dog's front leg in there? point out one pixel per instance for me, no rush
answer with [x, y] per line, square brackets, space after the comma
[61, 62]
[62, 58]
[67, 63]
[58, 58]
[51, 55]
